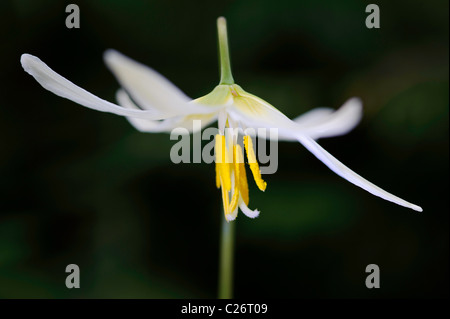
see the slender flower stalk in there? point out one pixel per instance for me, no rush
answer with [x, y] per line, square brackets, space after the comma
[225, 66]
[226, 261]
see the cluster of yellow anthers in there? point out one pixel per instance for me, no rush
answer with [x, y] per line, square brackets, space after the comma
[231, 175]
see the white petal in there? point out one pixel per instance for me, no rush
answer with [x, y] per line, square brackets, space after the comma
[60, 86]
[187, 121]
[288, 131]
[140, 124]
[349, 175]
[167, 125]
[317, 115]
[264, 117]
[247, 211]
[253, 112]
[150, 89]
[323, 122]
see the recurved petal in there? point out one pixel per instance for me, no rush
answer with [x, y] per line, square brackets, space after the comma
[143, 125]
[325, 122]
[343, 171]
[167, 125]
[150, 89]
[52, 81]
[253, 112]
[259, 115]
[314, 116]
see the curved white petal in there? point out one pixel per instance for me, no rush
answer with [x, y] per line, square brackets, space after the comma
[288, 131]
[143, 125]
[167, 125]
[349, 175]
[314, 116]
[252, 125]
[60, 86]
[252, 112]
[150, 89]
[324, 122]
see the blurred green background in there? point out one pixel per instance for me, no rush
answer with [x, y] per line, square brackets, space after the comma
[80, 186]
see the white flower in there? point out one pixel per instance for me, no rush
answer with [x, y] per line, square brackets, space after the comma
[153, 104]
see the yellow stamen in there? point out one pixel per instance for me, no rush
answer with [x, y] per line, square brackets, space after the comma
[239, 171]
[222, 162]
[235, 198]
[230, 164]
[225, 200]
[254, 167]
[237, 184]
[217, 175]
[223, 172]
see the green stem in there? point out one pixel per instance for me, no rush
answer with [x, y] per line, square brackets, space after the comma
[226, 260]
[225, 67]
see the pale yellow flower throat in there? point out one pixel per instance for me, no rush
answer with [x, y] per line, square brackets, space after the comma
[231, 175]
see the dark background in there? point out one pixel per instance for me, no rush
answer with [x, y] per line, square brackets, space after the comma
[84, 187]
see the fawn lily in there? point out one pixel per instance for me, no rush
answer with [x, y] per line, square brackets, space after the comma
[153, 104]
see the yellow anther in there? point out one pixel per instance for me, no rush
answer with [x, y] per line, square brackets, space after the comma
[225, 200]
[217, 175]
[230, 164]
[252, 162]
[237, 184]
[222, 164]
[235, 198]
[239, 171]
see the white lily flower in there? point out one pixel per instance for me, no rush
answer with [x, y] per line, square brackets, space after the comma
[153, 104]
